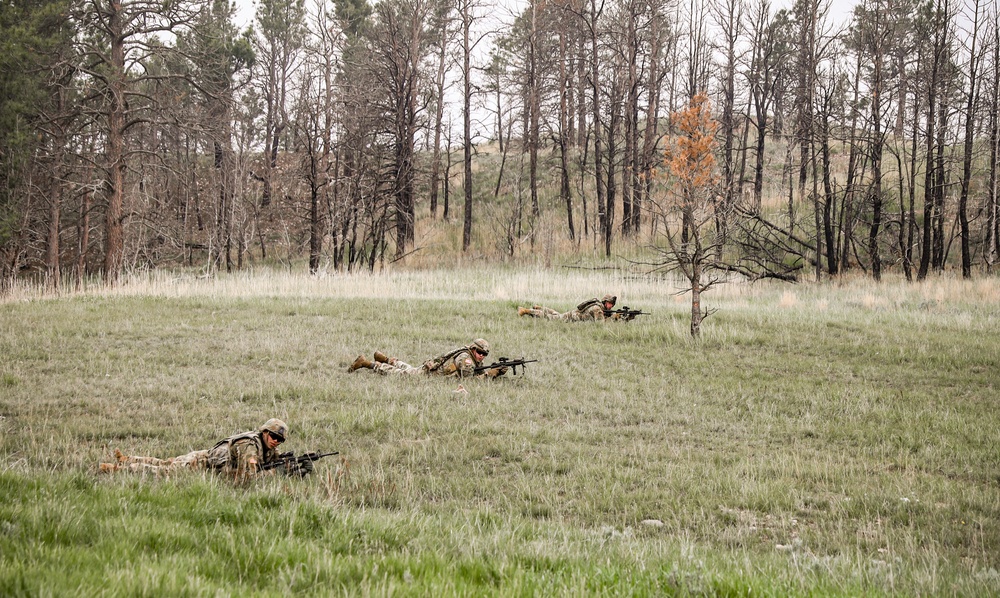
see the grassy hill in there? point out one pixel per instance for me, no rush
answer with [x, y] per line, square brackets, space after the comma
[835, 439]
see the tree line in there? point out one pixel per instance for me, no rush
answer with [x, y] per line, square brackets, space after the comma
[142, 133]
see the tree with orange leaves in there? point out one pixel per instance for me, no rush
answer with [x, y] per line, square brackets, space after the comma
[689, 209]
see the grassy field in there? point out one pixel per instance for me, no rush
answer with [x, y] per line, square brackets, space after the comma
[818, 440]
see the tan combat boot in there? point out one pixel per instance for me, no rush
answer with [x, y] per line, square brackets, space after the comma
[109, 467]
[381, 357]
[523, 311]
[360, 362]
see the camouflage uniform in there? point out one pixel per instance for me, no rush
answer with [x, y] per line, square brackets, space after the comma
[460, 363]
[239, 455]
[589, 310]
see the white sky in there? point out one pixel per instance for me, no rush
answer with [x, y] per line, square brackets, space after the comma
[840, 10]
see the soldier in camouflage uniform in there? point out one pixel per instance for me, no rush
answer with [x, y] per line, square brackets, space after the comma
[239, 455]
[461, 363]
[590, 310]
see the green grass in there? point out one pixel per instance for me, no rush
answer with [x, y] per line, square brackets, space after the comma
[836, 439]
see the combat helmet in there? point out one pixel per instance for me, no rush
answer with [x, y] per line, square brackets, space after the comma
[276, 427]
[482, 345]
[609, 299]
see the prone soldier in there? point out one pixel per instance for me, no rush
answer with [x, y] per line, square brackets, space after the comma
[244, 456]
[461, 363]
[590, 310]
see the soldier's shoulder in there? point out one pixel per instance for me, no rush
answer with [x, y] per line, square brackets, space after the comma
[464, 358]
[247, 441]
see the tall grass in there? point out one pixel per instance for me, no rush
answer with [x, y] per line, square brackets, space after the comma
[835, 439]
[565, 285]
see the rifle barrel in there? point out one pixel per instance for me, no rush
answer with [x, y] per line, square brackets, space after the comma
[286, 459]
[503, 362]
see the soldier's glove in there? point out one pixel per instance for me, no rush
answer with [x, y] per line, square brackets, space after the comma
[496, 372]
[305, 468]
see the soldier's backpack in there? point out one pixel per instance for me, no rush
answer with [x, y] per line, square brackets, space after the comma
[433, 365]
[588, 303]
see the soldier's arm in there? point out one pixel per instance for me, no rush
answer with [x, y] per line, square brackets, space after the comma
[465, 365]
[596, 312]
[248, 459]
[487, 373]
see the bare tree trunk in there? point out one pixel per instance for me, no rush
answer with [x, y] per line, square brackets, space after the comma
[445, 211]
[847, 210]
[630, 114]
[817, 210]
[224, 165]
[650, 154]
[564, 125]
[728, 18]
[467, 123]
[315, 178]
[878, 143]
[55, 190]
[83, 236]
[581, 99]
[405, 61]
[828, 194]
[613, 131]
[435, 182]
[992, 211]
[602, 211]
[569, 87]
[938, 250]
[114, 216]
[52, 250]
[970, 104]
[806, 68]
[929, 192]
[696, 314]
[533, 108]
[906, 243]
[760, 78]
[504, 151]
[758, 169]
[270, 139]
[83, 239]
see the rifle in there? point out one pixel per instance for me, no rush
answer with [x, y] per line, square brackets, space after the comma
[503, 362]
[625, 313]
[287, 460]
